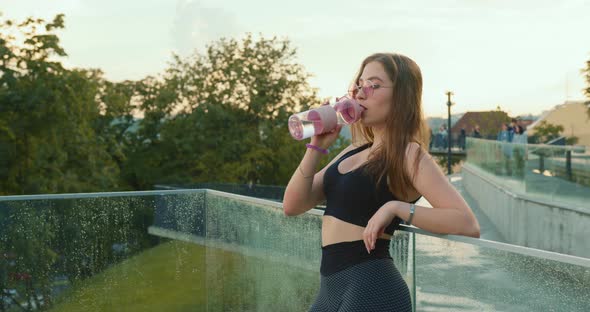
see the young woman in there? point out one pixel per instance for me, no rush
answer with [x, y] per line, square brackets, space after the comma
[371, 186]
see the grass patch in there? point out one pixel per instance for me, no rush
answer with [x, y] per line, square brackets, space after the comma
[169, 276]
[179, 276]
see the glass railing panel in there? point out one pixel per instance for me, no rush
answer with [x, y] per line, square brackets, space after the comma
[459, 276]
[283, 271]
[544, 172]
[270, 257]
[50, 244]
[212, 251]
[560, 173]
[93, 252]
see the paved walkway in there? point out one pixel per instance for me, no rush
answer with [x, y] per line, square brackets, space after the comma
[487, 229]
[465, 277]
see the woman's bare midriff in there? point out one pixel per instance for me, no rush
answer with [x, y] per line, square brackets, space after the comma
[335, 231]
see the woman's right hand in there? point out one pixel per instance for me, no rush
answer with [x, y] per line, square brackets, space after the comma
[325, 140]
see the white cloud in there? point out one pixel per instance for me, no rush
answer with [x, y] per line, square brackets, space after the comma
[197, 24]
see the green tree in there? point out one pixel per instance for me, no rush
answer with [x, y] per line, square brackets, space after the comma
[49, 137]
[572, 140]
[60, 131]
[222, 116]
[115, 120]
[546, 132]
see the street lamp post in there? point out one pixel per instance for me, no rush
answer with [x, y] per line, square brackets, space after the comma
[449, 104]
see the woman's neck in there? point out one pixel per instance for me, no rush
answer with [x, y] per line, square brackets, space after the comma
[377, 137]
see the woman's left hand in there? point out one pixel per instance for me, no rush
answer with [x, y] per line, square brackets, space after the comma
[377, 224]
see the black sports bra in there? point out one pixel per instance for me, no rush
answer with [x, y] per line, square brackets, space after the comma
[353, 197]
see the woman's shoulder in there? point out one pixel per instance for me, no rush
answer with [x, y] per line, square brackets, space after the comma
[415, 149]
[413, 146]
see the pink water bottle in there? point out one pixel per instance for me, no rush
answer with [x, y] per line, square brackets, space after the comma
[324, 118]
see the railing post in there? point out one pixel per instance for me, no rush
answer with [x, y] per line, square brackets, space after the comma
[568, 165]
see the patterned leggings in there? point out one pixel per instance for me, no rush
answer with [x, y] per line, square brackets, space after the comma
[372, 285]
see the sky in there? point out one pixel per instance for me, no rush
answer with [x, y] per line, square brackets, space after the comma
[525, 56]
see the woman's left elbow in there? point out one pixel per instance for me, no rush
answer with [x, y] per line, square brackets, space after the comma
[472, 228]
[474, 232]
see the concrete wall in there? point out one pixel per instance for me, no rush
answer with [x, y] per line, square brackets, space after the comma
[526, 221]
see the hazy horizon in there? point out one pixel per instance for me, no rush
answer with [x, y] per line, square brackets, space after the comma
[525, 57]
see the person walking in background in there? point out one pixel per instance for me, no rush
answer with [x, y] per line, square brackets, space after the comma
[443, 134]
[439, 138]
[504, 134]
[371, 187]
[511, 129]
[462, 137]
[506, 148]
[519, 150]
[431, 138]
[520, 123]
[520, 137]
[476, 133]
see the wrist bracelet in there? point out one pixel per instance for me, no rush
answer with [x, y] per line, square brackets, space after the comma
[412, 209]
[319, 149]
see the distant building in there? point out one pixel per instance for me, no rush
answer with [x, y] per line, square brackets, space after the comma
[489, 123]
[572, 115]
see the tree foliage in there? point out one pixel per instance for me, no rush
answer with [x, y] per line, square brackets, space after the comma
[546, 132]
[221, 116]
[50, 137]
[216, 116]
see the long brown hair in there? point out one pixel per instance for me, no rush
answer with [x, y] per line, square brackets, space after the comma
[405, 124]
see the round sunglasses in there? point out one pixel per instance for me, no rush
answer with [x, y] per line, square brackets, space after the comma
[368, 87]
